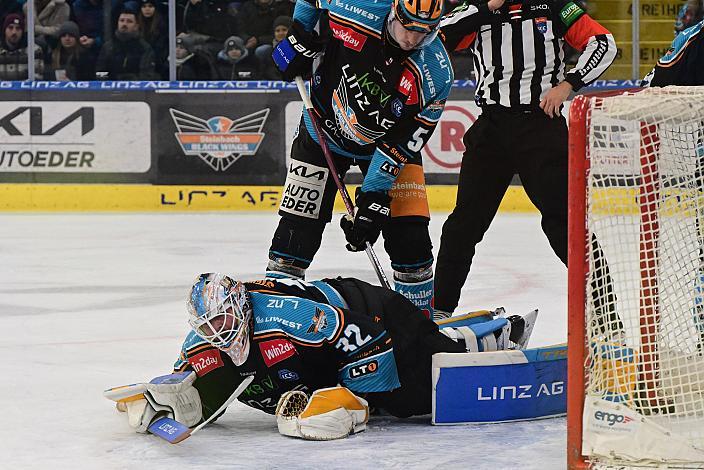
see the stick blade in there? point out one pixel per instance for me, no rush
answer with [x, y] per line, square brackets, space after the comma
[169, 430]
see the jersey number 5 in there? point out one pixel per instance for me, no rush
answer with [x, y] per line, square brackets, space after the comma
[347, 343]
[416, 143]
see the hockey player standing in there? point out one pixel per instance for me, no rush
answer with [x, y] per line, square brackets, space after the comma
[315, 338]
[683, 64]
[519, 62]
[378, 92]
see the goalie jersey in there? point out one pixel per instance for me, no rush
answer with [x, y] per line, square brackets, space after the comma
[304, 337]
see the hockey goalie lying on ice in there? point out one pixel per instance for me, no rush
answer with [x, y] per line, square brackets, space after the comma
[320, 353]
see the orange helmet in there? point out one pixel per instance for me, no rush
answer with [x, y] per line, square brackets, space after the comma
[418, 15]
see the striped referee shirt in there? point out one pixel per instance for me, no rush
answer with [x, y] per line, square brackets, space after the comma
[518, 49]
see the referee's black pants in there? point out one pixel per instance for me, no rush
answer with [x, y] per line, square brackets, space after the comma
[501, 143]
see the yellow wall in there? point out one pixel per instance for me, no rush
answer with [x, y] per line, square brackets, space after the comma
[131, 197]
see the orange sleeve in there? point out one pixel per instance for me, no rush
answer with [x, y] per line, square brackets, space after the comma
[581, 30]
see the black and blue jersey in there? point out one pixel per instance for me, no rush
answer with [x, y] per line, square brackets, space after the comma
[373, 104]
[311, 335]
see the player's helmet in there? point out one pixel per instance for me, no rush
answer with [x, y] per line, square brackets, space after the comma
[418, 15]
[220, 312]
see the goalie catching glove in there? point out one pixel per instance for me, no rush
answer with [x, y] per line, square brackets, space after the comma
[330, 413]
[173, 396]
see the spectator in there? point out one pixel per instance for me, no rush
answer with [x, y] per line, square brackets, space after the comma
[209, 20]
[127, 56]
[691, 13]
[235, 63]
[281, 26]
[193, 62]
[13, 51]
[88, 15]
[256, 24]
[155, 32]
[49, 16]
[71, 60]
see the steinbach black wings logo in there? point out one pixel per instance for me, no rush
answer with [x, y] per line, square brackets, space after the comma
[219, 141]
[318, 322]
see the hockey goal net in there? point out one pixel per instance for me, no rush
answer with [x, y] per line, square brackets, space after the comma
[636, 280]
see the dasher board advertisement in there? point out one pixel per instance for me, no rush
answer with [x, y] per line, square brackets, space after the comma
[75, 137]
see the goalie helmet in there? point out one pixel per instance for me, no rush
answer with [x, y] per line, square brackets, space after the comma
[220, 312]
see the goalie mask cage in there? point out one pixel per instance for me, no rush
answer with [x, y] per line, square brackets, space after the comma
[636, 280]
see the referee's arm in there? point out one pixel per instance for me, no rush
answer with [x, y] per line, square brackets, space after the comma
[595, 42]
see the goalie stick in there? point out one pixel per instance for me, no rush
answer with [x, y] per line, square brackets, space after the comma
[308, 104]
[164, 427]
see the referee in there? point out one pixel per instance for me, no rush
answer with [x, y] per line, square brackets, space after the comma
[518, 56]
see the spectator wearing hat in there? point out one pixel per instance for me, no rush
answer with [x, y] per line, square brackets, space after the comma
[13, 51]
[126, 56]
[256, 24]
[193, 62]
[155, 32]
[70, 60]
[49, 15]
[281, 26]
[234, 62]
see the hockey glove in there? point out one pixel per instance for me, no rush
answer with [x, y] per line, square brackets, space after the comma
[370, 215]
[331, 413]
[294, 55]
[172, 395]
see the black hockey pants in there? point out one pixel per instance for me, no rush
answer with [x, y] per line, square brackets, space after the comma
[501, 143]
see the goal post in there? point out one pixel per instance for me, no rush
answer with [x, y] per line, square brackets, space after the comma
[636, 279]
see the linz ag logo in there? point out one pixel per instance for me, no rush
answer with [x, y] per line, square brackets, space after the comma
[612, 418]
[219, 141]
[363, 369]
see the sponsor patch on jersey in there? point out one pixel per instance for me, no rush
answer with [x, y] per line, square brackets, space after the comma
[570, 13]
[407, 85]
[349, 37]
[318, 322]
[364, 369]
[396, 107]
[541, 24]
[205, 362]
[276, 350]
[285, 374]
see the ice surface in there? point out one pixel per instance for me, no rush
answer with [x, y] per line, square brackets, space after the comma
[94, 301]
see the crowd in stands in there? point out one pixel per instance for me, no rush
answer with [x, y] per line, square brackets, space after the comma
[215, 39]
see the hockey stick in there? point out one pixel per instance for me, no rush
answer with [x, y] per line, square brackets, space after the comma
[175, 432]
[168, 428]
[308, 104]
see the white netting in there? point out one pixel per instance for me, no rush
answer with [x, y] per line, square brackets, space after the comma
[645, 285]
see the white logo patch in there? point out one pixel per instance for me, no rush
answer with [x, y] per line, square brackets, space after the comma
[303, 190]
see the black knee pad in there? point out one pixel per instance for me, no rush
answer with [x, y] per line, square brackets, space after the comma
[296, 241]
[407, 241]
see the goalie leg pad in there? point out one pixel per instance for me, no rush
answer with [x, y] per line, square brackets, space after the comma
[330, 413]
